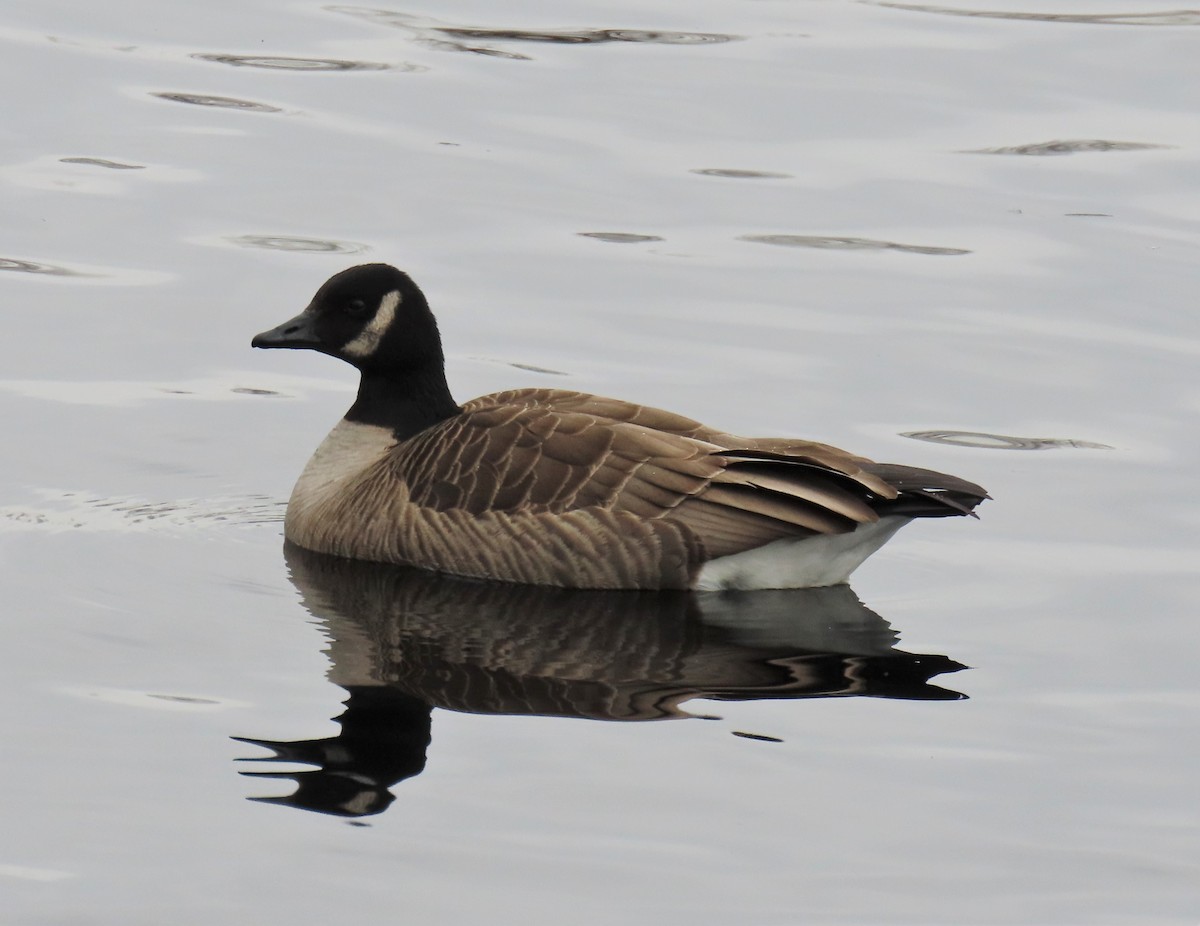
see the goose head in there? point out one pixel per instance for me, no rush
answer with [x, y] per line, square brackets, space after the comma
[373, 316]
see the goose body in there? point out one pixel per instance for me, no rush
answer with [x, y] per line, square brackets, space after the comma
[554, 487]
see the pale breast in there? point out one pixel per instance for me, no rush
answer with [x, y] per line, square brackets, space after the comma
[348, 450]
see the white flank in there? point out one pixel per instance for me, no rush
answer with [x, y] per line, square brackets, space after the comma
[805, 562]
[364, 345]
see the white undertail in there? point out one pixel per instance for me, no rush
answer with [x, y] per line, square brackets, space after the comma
[799, 562]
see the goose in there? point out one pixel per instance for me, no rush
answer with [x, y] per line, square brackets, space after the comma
[561, 488]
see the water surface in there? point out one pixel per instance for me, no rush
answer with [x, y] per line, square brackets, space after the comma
[862, 223]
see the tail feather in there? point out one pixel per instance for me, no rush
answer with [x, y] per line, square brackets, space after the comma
[925, 493]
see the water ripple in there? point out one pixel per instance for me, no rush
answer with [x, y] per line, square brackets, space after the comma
[74, 510]
[1001, 441]
[111, 393]
[1165, 18]
[531, 368]
[29, 266]
[287, 63]
[102, 162]
[154, 700]
[291, 243]
[848, 244]
[94, 275]
[219, 102]
[620, 237]
[27, 873]
[760, 737]
[528, 367]
[446, 37]
[588, 36]
[1074, 146]
[739, 174]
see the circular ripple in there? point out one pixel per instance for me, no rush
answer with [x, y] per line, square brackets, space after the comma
[285, 63]
[620, 237]
[219, 102]
[1001, 441]
[287, 243]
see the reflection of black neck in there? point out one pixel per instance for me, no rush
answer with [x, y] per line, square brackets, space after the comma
[406, 402]
[403, 641]
[383, 740]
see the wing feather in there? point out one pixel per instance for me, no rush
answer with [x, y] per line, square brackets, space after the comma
[805, 482]
[786, 508]
[544, 453]
[729, 530]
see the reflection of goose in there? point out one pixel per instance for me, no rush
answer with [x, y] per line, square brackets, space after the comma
[550, 487]
[403, 641]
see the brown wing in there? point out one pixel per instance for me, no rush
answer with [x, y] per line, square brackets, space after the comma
[551, 451]
[617, 410]
[533, 458]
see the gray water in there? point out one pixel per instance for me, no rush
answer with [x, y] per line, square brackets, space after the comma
[850, 221]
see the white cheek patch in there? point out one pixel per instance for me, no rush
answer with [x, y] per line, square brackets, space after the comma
[364, 345]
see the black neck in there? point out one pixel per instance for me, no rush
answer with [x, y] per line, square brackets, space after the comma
[407, 403]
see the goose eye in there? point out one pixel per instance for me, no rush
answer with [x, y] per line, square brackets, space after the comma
[356, 308]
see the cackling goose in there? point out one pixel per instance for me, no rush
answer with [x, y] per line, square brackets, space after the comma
[553, 487]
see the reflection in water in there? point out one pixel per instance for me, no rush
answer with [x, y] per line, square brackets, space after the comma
[1165, 18]
[443, 36]
[848, 244]
[220, 102]
[405, 641]
[1050, 148]
[291, 243]
[285, 63]
[1001, 441]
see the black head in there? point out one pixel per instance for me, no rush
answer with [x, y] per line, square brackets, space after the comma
[372, 316]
